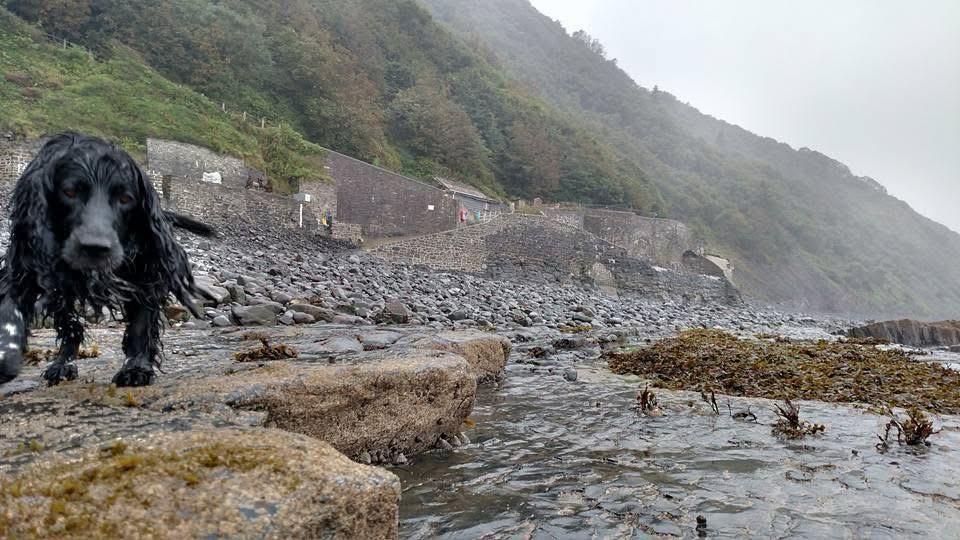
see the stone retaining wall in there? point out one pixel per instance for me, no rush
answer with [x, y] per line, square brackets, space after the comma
[14, 157]
[182, 160]
[535, 248]
[216, 204]
[220, 205]
[660, 240]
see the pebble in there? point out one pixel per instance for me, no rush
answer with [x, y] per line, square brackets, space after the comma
[368, 291]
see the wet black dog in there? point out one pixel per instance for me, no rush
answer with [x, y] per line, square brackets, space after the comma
[87, 229]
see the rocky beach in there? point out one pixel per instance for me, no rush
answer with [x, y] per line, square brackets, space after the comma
[448, 404]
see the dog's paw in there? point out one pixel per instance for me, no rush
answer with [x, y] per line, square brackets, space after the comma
[58, 372]
[134, 376]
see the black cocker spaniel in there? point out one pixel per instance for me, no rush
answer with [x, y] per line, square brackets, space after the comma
[87, 229]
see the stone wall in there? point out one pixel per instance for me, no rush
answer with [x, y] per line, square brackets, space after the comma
[212, 203]
[182, 160]
[535, 248]
[323, 196]
[660, 240]
[14, 158]
[387, 204]
[701, 265]
[221, 205]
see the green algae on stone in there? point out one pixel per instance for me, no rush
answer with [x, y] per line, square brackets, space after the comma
[201, 484]
[712, 360]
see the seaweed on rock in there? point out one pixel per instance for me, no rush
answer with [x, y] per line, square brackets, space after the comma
[841, 372]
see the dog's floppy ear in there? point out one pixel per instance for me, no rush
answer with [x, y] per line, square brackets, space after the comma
[31, 238]
[171, 260]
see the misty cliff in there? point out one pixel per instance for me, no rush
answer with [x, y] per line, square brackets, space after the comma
[802, 229]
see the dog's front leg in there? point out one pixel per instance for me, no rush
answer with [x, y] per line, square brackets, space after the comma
[141, 345]
[70, 336]
[13, 339]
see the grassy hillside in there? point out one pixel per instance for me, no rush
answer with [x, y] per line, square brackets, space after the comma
[45, 88]
[800, 227]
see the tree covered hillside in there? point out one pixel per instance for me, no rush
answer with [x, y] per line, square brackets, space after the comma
[375, 79]
[800, 226]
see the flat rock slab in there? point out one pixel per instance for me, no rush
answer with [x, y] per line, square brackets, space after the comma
[202, 484]
[486, 353]
[383, 407]
[409, 394]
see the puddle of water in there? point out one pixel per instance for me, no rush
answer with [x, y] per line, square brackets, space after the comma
[557, 459]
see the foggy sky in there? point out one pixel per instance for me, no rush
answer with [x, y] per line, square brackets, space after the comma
[874, 84]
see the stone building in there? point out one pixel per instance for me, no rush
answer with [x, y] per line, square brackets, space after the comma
[479, 207]
[386, 204]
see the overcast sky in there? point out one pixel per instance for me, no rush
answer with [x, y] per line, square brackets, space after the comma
[872, 83]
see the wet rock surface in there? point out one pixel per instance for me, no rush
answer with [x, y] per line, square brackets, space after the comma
[402, 398]
[201, 484]
[551, 458]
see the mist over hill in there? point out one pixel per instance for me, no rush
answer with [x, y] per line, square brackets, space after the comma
[490, 92]
[802, 229]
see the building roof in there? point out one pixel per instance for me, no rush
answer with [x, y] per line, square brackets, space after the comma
[463, 189]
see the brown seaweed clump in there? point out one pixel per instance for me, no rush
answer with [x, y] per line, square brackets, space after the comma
[713, 360]
[39, 356]
[913, 430]
[789, 424]
[576, 329]
[266, 352]
[646, 400]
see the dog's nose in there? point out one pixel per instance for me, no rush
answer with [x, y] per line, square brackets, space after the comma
[96, 248]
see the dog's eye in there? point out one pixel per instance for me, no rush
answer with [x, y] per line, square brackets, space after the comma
[70, 193]
[125, 199]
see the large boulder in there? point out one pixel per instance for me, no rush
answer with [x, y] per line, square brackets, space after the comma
[394, 312]
[202, 484]
[211, 293]
[256, 315]
[384, 405]
[912, 333]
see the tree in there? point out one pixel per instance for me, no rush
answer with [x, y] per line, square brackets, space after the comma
[591, 43]
[536, 161]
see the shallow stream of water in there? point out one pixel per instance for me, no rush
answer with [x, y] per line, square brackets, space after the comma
[556, 459]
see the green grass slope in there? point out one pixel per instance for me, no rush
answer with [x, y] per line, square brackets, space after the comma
[45, 88]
